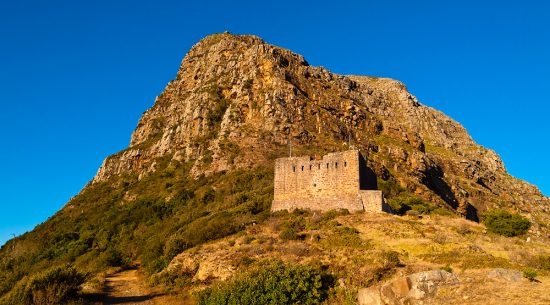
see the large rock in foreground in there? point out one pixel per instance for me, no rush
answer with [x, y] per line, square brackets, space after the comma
[412, 289]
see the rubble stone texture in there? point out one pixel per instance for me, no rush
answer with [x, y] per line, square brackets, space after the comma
[335, 181]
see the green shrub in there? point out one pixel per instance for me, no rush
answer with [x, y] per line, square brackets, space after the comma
[385, 266]
[331, 214]
[530, 274]
[125, 219]
[447, 268]
[390, 259]
[543, 261]
[276, 284]
[289, 234]
[343, 236]
[505, 223]
[176, 277]
[247, 84]
[174, 246]
[183, 196]
[390, 187]
[113, 258]
[248, 239]
[57, 285]
[293, 226]
[243, 261]
[208, 196]
[215, 116]
[404, 202]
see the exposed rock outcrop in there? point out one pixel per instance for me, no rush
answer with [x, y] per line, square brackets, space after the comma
[412, 289]
[505, 274]
[237, 102]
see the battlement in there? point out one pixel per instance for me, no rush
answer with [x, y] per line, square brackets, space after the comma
[338, 180]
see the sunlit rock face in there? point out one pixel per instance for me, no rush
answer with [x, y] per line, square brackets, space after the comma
[238, 102]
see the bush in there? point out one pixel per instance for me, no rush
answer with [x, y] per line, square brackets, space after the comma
[505, 223]
[292, 227]
[447, 268]
[405, 203]
[126, 219]
[215, 116]
[343, 236]
[390, 187]
[390, 259]
[289, 234]
[543, 261]
[57, 285]
[386, 264]
[175, 277]
[530, 274]
[276, 284]
[113, 258]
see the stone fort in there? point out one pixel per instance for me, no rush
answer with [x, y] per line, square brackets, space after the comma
[338, 180]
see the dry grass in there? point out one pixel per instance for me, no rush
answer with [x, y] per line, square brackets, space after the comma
[355, 248]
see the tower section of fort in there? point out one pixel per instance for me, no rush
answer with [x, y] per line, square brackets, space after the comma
[336, 181]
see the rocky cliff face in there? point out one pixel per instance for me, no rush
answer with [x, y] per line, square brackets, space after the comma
[237, 102]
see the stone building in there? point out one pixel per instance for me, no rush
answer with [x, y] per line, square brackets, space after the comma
[338, 180]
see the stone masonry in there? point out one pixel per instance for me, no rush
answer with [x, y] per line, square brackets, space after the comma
[338, 180]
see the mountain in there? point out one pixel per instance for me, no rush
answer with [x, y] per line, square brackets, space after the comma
[199, 166]
[237, 101]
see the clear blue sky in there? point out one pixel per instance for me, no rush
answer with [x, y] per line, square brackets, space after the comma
[75, 76]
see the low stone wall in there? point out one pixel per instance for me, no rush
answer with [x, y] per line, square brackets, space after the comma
[372, 200]
[351, 204]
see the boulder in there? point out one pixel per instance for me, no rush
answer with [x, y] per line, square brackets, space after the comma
[425, 284]
[369, 296]
[509, 275]
[411, 289]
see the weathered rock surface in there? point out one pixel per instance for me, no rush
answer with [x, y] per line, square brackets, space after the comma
[369, 296]
[505, 274]
[412, 289]
[237, 101]
[201, 267]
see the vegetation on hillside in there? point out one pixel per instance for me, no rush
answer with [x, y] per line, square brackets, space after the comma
[359, 249]
[274, 283]
[506, 223]
[56, 285]
[153, 219]
[156, 218]
[124, 219]
[402, 202]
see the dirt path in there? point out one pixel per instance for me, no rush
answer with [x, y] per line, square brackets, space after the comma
[127, 287]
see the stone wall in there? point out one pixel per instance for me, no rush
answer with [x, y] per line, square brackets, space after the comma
[331, 182]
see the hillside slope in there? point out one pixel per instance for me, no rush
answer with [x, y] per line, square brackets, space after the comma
[368, 250]
[237, 101]
[199, 166]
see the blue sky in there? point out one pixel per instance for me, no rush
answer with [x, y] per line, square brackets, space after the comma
[75, 76]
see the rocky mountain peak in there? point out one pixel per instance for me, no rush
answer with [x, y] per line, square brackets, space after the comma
[238, 102]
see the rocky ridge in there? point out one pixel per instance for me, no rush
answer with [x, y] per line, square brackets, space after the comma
[237, 101]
